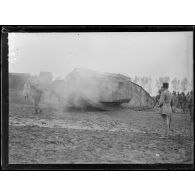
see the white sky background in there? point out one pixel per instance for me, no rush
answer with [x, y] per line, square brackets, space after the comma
[151, 54]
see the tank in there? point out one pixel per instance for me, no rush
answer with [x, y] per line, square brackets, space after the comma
[87, 87]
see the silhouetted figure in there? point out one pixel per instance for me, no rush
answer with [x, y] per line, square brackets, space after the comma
[191, 105]
[180, 99]
[175, 101]
[166, 106]
[26, 90]
[36, 96]
[32, 90]
[183, 102]
[158, 97]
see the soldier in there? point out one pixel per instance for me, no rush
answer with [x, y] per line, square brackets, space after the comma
[26, 90]
[187, 101]
[191, 105]
[166, 106]
[183, 102]
[175, 101]
[32, 87]
[36, 96]
[180, 99]
[158, 97]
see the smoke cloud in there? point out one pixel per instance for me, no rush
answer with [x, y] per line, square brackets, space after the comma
[84, 88]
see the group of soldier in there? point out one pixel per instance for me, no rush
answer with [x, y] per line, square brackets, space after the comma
[181, 101]
[169, 103]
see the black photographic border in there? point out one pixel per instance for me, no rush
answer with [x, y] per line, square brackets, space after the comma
[5, 96]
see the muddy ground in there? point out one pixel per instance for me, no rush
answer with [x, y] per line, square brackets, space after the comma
[120, 135]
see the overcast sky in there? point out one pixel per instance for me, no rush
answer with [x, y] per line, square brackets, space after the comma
[132, 53]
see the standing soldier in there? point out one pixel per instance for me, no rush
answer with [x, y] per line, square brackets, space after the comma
[191, 110]
[179, 100]
[166, 104]
[158, 97]
[191, 105]
[175, 101]
[187, 101]
[183, 102]
[26, 90]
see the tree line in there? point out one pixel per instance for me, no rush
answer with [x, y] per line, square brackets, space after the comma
[175, 84]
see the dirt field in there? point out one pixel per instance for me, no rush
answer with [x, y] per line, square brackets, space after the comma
[116, 136]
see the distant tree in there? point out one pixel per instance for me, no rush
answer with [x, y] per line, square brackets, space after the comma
[136, 80]
[149, 85]
[167, 79]
[184, 84]
[143, 82]
[175, 84]
[191, 85]
[125, 74]
[158, 83]
[146, 82]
